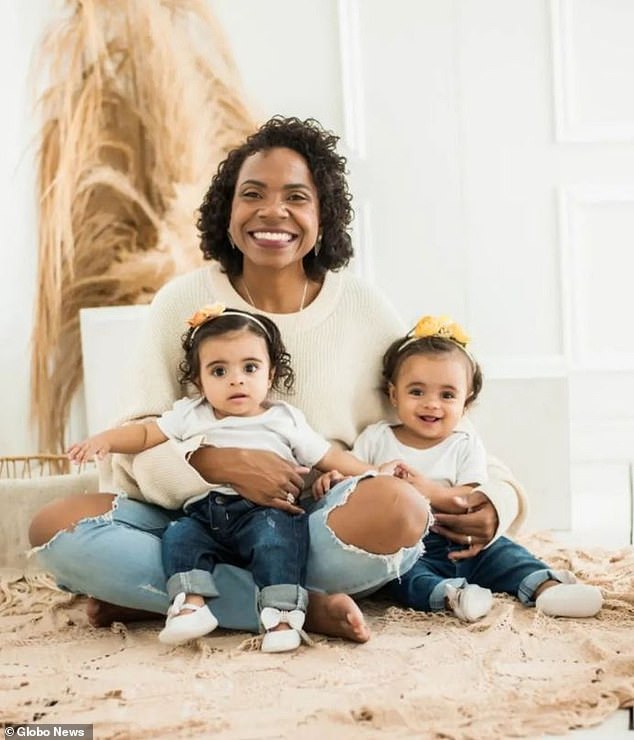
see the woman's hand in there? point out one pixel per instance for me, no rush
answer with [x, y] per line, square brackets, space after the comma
[475, 527]
[259, 476]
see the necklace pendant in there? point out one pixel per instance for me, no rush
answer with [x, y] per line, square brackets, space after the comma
[252, 302]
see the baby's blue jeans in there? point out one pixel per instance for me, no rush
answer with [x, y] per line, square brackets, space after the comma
[272, 544]
[503, 567]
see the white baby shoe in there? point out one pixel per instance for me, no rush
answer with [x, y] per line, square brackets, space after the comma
[179, 627]
[570, 600]
[469, 602]
[281, 641]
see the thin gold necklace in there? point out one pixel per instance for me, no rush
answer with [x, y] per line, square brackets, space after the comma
[252, 302]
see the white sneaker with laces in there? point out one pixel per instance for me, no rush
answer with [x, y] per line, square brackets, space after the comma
[469, 602]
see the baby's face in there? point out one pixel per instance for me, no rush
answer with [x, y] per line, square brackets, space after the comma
[235, 373]
[430, 394]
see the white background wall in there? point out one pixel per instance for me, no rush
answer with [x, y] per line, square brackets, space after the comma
[491, 149]
[21, 25]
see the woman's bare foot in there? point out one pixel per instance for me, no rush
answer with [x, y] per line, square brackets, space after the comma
[336, 615]
[103, 614]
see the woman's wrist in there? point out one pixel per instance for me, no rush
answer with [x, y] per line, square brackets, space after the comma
[215, 465]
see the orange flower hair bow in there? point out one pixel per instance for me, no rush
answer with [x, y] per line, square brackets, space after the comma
[206, 313]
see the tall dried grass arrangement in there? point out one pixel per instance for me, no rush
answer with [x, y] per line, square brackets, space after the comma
[142, 101]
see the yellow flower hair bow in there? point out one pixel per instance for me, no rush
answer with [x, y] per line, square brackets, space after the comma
[440, 326]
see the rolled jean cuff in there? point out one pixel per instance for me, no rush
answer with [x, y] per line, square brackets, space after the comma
[192, 582]
[284, 596]
[437, 596]
[532, 582]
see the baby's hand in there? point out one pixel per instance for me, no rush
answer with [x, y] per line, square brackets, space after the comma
[93, 447]
[429, 488]
[323, 484]
[394, 467]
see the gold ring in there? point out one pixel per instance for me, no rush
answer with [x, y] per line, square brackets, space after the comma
[469, 540]
[290, 498]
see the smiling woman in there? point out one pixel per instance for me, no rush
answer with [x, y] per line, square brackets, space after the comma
[274, 224]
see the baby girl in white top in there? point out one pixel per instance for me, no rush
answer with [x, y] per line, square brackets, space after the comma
[232, 358]
[431, 379]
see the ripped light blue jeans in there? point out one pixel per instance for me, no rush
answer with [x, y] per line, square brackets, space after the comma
[116, 557]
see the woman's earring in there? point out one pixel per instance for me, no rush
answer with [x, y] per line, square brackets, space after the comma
[233, 244]
[317, 246]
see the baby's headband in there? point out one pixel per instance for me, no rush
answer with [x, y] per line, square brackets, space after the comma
[209, 313]
[439, 326]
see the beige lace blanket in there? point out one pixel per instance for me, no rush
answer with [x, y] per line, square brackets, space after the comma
[516, 673]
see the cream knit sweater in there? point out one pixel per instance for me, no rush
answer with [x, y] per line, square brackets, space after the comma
[336, 344]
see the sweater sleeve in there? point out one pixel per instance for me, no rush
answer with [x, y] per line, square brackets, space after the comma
[503, 491]
[507, 496]
[153, 388]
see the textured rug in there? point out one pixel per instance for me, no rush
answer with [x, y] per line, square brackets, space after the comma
[516, 673]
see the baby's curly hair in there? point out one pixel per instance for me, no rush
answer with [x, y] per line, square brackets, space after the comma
[398, 352]
[318, 147]
[235, 320]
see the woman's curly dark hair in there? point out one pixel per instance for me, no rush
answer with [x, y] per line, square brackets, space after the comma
[318, 147]
[235, 320]
[396, 354]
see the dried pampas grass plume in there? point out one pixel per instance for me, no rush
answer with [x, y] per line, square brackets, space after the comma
[142, 102]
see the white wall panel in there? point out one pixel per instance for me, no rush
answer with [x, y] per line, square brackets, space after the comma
[22, 24]
[593, 61]
[352, 79]
[412, 174]
[598, 233]
[525, 423]
[602, 396]
[506, 163]
[602, 511]
[353, 134]
[288, 55]
[604, 440]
